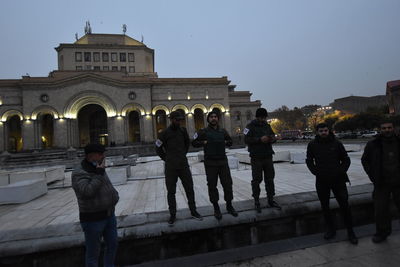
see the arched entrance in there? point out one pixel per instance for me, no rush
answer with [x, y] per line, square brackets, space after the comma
[198, 119]
[161, 121]
[92, 125]
[14, 133]
[134, 126]
[47, 130]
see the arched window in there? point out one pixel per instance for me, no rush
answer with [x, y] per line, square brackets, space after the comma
[14, 134]
[47, 130]
[134, 126]
[161, 121]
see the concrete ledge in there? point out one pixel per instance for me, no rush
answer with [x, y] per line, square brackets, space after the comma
[147, 237]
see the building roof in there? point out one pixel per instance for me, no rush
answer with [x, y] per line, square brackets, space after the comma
[108, 39]
[96, 40]
[393, 86]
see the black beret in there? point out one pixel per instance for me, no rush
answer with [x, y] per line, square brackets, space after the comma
[93, 148]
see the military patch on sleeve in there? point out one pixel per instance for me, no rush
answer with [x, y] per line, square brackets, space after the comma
[159, 143]
[195, 136]
[246, 131]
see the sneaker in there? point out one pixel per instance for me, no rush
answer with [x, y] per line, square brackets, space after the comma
[378, 238]
[352, 238]
[273, 204]
[231, 210]
[196, 215]
[329, 235]
[257, 207]
[172, 219]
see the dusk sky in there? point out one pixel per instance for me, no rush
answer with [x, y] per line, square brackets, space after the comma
[290, 53]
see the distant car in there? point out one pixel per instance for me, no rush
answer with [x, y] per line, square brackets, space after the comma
[369, 134]
[346, 135]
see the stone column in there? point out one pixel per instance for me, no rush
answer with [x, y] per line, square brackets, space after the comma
[227, 124]
[28, 135]
[72, 133]
[118, 130]
[148, 129]
[61, 133]
[190, 122]
[2, 136]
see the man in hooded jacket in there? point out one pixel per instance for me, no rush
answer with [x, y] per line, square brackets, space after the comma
[381, 161]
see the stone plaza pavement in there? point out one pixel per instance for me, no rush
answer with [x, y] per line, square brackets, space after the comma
[340, 254]
[145, 191]
[304, 251]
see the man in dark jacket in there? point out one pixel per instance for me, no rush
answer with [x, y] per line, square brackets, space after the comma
[259, 136]
[381, 161]
[327, 159]
[214, 139]
[172, 147]
[96, 200]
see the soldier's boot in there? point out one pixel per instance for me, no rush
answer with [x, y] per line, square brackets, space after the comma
[172, 219]
[257, 205]
[196, 215]
[231, 210]
[217, 212]
[352, 236]
[273, 204]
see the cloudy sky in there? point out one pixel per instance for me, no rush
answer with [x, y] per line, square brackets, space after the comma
[287, 52]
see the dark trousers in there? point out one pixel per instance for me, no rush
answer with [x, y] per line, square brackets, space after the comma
[382, 196]
[212, 172]
[95, 231]
[340, 192]
[258, 168]
[171, 178]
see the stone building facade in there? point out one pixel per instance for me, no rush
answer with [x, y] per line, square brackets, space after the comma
[106, 91]
[357, 104]
[393, 95]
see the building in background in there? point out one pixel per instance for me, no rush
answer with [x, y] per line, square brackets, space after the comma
[107, 91]
[393, 95]
[357, 104]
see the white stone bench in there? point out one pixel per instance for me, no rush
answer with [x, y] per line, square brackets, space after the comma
[49, 174]
[22, 191]
[244, 156]
[233, 162]
[118, 175]
[298, 157]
